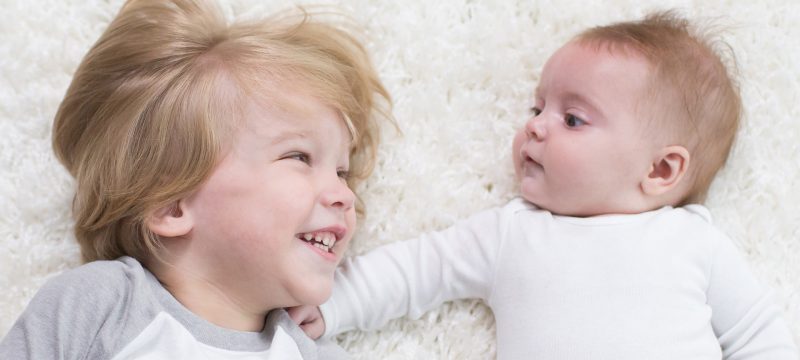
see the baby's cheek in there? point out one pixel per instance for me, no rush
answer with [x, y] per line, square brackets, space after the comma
[516, 146]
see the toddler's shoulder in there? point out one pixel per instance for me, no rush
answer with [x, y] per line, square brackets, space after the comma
[71, 310]
[94, 283]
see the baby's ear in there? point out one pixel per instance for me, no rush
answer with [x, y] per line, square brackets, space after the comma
[170, 221]
[666, 171]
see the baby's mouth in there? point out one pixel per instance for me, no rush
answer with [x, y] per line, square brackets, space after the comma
[529, 162]
[323, 240]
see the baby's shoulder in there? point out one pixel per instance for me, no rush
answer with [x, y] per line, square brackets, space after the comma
[694, 224]
[691, 217]
[696, 212]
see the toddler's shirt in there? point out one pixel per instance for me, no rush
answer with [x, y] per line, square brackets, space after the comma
[119, 310]
[664, 284]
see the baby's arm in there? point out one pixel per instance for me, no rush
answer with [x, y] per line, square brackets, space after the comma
[746, 321]
[414, 276]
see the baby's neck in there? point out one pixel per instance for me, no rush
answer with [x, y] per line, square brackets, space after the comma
[585, 213]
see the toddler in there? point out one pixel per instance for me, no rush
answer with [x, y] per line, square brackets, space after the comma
[608, 254]
[214, 165]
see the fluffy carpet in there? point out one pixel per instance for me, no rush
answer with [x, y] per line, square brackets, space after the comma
[461, 73]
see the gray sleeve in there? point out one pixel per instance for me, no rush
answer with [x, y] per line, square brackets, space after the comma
[64, 317]
[329, 350]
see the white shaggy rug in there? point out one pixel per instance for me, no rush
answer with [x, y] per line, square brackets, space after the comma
[461, 73]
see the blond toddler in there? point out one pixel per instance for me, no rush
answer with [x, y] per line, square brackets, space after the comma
[214, 164]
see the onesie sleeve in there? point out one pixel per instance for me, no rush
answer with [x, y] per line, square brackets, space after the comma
[63, 318]
[414, 276]
[745, 319]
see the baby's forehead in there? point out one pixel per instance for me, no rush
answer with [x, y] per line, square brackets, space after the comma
[607, 49]
[584, 65]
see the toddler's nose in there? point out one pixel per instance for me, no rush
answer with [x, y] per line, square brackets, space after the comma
[338, 194]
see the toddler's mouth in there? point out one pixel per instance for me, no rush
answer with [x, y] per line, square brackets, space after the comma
[323, 240]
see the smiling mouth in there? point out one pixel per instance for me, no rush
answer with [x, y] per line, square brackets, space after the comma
[323, 240]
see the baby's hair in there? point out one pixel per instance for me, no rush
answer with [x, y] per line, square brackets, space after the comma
[153, 104]
[693, 100]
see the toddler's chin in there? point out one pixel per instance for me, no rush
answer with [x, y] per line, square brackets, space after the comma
[318, 296]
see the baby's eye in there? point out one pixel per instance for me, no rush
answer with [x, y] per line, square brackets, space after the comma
[299, 156]
[535, 111]
[573, 121]
[344, 174]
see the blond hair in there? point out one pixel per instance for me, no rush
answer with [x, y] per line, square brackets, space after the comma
[150, 108]
[695, 101]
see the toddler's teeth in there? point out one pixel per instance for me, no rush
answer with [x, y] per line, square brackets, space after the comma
[323, 241]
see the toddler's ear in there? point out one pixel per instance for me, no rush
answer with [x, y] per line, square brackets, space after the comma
[170, 221]
[666, 171]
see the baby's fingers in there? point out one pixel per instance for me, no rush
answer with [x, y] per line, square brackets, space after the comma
[309, 319]
[314, 329]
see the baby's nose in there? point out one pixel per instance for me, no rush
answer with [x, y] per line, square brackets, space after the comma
[535, 127]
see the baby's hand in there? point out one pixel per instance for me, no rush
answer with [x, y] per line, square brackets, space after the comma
[309, 319]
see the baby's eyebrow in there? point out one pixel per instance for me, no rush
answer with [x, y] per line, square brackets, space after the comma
[588, 102]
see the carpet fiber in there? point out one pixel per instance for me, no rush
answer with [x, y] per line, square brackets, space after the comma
[461, 73]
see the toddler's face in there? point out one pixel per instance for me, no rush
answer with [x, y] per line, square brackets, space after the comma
[276, 214]
[583, 151]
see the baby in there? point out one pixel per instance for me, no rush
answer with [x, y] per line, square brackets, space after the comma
[608, 254]
[214, 165]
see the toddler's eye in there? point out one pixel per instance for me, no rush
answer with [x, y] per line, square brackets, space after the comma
[299, 156]
[344, 174]
[573, 121]
[535, 111]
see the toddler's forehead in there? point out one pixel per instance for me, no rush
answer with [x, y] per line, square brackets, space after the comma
[297, 106]
[285, 95]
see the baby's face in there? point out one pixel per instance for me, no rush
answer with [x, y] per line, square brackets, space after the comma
[583, 151]
[276, 214]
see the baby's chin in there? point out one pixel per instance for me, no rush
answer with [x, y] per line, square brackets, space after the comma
[529, 191]
[554, 209]
[532, 200]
